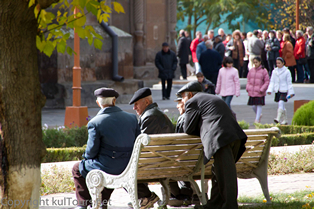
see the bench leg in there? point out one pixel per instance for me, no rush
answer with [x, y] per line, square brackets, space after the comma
[261, 175]
[165, 189]
[197, 190]
[132, 190]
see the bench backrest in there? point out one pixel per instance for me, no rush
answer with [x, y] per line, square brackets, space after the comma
[179, 155]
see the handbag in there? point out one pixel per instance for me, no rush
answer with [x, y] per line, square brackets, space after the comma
[302, 61]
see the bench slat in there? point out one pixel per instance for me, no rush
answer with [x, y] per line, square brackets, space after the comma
[176, 141]
[170, 147]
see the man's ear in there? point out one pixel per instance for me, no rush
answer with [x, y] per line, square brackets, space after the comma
[190, 95]
[114, 101]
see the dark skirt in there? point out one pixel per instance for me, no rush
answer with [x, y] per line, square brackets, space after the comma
[281, 96]
[256, 101]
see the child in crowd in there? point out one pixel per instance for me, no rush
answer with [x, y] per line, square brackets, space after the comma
[207, 85]
[281, 83]
[257, 83]
[228, 83]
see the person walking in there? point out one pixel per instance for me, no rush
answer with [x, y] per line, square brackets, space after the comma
[272, 50]
[193, 48]
[280, 83]
[310, 48]
[166, 62]
[287, 55]
[183, 52]
[299, 54]
[255, 46]
[219, 46]
[201, 47]
[245, 37]
[210, 62]
[237, 51]
[279, 36]
[228, 83]
[257, 84]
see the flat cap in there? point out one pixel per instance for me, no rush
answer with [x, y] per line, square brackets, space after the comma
[140, 94]
[106, 92]
[193, 86]
[179, 97]
[165, 44]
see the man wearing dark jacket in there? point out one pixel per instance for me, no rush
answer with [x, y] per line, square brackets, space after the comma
[166, 62]
[183, 52]
[111, 136]
[210, 62]
[219, 46]
[210, 118]
[272, 50]
[151, 121]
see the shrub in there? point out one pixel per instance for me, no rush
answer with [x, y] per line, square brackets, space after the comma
[304, 115]
[287, 129]
[63, 154]
[243, 124]
[65, 137]
[293, 139]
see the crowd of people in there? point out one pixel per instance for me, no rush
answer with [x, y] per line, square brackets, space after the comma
[297, 50]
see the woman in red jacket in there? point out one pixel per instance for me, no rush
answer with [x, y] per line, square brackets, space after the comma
[287, 55]
[299, 54]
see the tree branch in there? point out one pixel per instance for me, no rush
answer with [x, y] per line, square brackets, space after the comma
[44, 4]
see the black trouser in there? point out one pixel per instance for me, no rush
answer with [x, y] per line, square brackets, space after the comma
[224, 190]
[245, 68]
[143, 190]
[184, 190]
[292, 71]
[82, 194]
[166, 92]
[271, 66]
[311, 66]
[183, 70]
[236, 64]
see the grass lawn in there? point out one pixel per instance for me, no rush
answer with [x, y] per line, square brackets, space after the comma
[301, 199]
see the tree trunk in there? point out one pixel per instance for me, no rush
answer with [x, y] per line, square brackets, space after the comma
[21, 147]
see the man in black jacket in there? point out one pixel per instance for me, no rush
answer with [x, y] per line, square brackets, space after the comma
[219, 46]
[272, 50]
[183, 52]
[151, 121]
[166, 62]
[209, 117]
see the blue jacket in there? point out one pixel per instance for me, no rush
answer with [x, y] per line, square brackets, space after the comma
[210, 62]
[111, 136]
[201, 47]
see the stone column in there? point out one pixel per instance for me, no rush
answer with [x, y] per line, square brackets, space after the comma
[139, 59]
[172, 23]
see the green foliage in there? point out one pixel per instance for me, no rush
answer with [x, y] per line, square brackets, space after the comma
[56, 180]
[54, 30]
[293, 139]
[63, 154]
[65, 137]
[287, 129]
[243, 124]
[304, 115]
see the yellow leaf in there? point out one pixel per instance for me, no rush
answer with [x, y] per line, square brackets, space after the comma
[58, 13]
[36, 10]
[31, 3]
[118, 7]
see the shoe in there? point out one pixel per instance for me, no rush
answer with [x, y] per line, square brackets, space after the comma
[148, 202]
[167, 98]
[164, 98]
[279, 115]
[285, 118]
[175, 202]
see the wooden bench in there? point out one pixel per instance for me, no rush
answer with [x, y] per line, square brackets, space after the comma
[164, 157]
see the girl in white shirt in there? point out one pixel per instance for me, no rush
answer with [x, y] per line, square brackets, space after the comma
[281, 84]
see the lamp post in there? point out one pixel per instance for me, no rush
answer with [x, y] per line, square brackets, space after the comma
[76, 115]
[297, 15]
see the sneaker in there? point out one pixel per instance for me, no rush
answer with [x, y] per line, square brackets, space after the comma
[148, 202]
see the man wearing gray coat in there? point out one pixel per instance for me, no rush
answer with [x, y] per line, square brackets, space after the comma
[111, 136]
[223, 139]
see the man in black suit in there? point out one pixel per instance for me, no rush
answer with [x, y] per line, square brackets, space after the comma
[223, 139]
[183, 52]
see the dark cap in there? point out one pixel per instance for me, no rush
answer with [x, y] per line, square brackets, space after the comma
[179, 97]
[165, 44]
[273, 31]
[140, 94]
[106, 92]
[193, 86]
[218, 36]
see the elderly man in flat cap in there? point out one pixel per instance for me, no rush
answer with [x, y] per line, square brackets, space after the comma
[151, 121]
[209, 117]
[111, 136]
